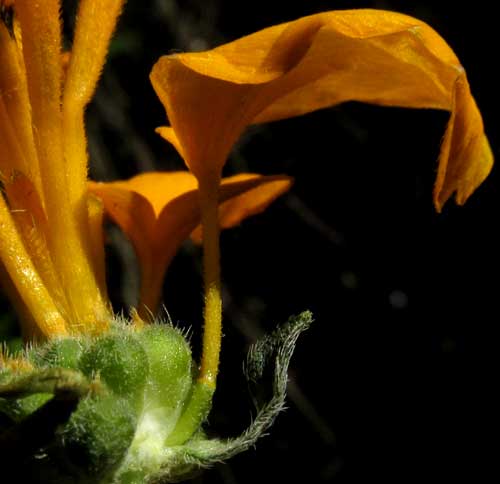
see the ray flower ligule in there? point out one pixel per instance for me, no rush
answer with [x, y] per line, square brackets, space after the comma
[373, 56]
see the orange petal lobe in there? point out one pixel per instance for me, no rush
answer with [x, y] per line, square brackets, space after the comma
[158, 211]
[464, 141]
[133, 213]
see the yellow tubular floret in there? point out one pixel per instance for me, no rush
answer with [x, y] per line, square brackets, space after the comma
[14, 93]
[69, 240]
[27, 212]
[95, 25]
[26, 279]
[96, 20]
[11, 156]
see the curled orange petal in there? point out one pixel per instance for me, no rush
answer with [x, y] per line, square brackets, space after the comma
[372, 56]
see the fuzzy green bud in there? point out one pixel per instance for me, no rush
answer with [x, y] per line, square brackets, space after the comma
[98, 434]
[59, 353]
[120, 362]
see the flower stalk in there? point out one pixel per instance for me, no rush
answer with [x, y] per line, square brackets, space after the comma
[212, 313]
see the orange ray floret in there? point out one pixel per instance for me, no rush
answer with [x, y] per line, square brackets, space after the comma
[318, 61]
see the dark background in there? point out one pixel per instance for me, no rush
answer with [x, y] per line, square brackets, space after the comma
[377, 388]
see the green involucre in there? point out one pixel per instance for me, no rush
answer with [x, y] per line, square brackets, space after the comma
[126, 407]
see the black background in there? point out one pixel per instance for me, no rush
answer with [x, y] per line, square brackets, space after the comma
[379, 388]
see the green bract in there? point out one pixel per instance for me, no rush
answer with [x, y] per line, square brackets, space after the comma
[124, 407]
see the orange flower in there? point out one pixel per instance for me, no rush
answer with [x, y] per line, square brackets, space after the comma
[322, 60]
[294, 68]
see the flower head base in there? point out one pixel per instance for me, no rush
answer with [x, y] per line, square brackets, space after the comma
[135, 406]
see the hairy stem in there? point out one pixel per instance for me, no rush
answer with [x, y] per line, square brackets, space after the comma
[212, 315]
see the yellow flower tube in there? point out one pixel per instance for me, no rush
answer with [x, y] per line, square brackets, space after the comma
[44, 161]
